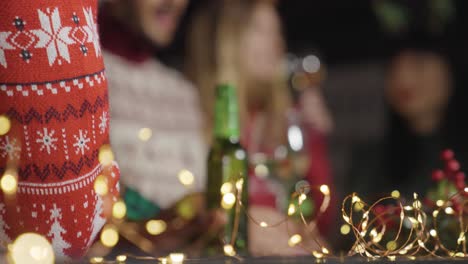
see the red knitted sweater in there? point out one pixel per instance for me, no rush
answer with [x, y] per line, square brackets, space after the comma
[54, 92]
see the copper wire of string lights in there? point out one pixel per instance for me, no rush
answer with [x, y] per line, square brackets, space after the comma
[420, 237]
[415, 235]
[229, 249]
[392, 227]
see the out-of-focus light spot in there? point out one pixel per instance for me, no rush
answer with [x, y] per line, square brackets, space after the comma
[186, 210]
[358, 206]
[395, 194]
[439, 203]
[433, 233]
[291, 209]
[311, 64]
[466, 189]
[228, 200]
[325, 250]
[261, 171]
[96, 260]
[9, 183]
[119, 209]
[355, 199]
[295, 138]
[227, 187]
[239, 184]
[345, 229]
[162, 260]
[294, 240]
[263, 224]
[391, 245]
[408, 208]
[435, 213]
[325, 190]
[31, 248]
[229, 250]
[156, 227]
[302, 198]
[317, 254]
[121, 258]
[106, 156]
[100, 185]
[240, 154]
[449, 210]
[5, 125]
[176, 258]
[109, 236]
[461, 238]
[145, 134]
[186, 177]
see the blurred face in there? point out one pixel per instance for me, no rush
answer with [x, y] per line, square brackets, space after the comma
[158, 19]
[261, 46]
[418, 84]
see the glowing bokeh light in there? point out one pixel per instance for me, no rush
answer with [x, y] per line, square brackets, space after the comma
[325, 189]
[121, 258]
[229, 250]
[291, 209]
[106, 156]
[228, 201]
[186, 177]
[295, 138]
[100, 185]
[311, 64]
[97, 260]
[227, 187]
[261, 171]
[177, 258]
[119, 209]
[9, 183]
[31, 248]
[391, 245]
[345, 229]
[109, 236]
[5, 125]
[144, 134]
[156, 227]
[395, 194]
[294, 240]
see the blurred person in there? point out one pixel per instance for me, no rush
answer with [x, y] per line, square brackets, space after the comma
[423, 120]
[156, 124]
[240, 42]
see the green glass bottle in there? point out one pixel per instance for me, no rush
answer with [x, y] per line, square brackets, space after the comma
[227, 174]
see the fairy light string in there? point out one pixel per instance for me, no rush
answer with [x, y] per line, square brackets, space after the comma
[414, 236]
[391, 227]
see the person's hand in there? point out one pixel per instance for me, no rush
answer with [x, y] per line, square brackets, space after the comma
[188, 225]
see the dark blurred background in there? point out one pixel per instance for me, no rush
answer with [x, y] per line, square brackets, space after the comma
[355, 31]
[355, 39]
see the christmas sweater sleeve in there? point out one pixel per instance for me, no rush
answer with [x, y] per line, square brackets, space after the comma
[54, 124]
